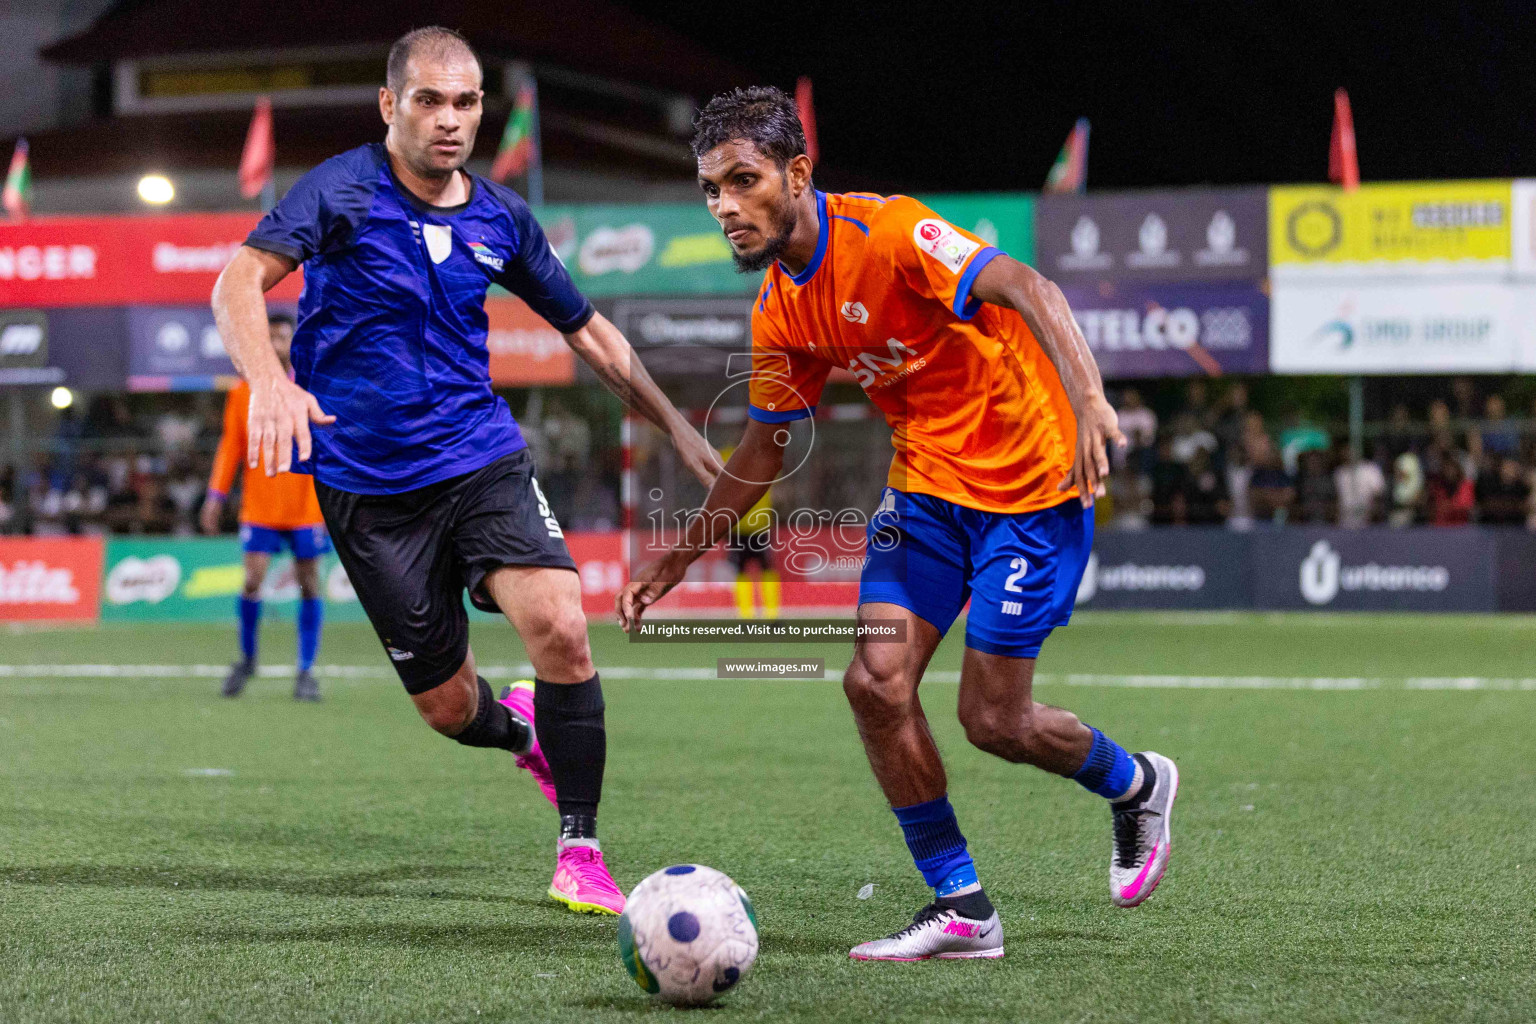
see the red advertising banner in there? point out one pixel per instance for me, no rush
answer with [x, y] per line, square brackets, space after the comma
[50, 579]
[599, 561]
[168, 259]
[525, 350]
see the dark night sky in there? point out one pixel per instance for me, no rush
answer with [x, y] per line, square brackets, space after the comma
[950, 95]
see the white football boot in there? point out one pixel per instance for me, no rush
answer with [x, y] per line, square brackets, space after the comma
[1142, 838]
[938, 933]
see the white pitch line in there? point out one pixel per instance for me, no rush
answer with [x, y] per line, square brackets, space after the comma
[342, 673]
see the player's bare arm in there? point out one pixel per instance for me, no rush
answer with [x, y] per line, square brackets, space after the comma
[610, 355]
[747, 476]
[281, 411]
[1007, 282]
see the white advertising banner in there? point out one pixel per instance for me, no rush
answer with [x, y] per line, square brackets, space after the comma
[1525, 313]
[1384, 328]
[1523, 227]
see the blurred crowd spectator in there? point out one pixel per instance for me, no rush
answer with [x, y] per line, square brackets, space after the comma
[109, 471]
[1460, 460]
[1199, 455]
[139, 464]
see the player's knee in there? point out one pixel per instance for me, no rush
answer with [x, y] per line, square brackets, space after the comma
[561, 639]
[449, 706]
[877, 693]
[1001, 732]
[251, 590]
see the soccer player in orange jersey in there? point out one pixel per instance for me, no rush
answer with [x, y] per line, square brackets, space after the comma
[274, 511]
[1000, 426]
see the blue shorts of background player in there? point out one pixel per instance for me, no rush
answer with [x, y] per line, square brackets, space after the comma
[1020, 571]
[304, 542]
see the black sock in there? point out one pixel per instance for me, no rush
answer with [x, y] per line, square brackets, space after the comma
[494, 725]
[575, 743]
[973, 905]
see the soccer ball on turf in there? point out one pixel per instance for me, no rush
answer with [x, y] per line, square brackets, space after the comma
[688, 933]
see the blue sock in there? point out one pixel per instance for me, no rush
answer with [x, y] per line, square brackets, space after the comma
[250, 619]
[311, 614]
[1109, 770]
[938, 848]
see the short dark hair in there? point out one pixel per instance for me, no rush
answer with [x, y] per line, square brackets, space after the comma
[273, 319]
[432, 41]
[760, 114]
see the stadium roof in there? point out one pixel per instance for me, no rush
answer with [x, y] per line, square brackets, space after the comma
[614, 42]
[615, 97]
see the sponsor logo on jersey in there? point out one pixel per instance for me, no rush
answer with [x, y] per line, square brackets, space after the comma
[855, 313]
[870, 367]
[942, 242]
[485, 254]
[396, 654]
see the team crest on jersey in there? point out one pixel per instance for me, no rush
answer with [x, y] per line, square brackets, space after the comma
[941, 241]
[485, 254]
[439, 241]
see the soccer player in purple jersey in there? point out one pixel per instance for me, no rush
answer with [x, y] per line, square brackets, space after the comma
[424, 479]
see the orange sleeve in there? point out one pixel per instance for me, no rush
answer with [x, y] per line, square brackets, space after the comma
[937, 260]
[786, 381]
[231, 454]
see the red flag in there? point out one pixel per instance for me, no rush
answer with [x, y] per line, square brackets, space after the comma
[260, 153]
[1343, 164]
[807, 117]
[516, 153]
[1070, 171]
[16, 197]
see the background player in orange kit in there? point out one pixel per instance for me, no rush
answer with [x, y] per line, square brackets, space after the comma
[1000, 426]
[274, 511]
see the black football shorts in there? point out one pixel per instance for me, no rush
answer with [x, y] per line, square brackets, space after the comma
[410, 557]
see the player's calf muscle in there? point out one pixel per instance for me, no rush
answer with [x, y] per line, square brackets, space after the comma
[1041, 735]
[449, 706]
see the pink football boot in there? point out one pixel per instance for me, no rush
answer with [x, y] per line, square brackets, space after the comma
[518, 698]
[582, 881]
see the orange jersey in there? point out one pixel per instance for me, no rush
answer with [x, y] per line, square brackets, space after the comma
[977, 411]
[283, 502]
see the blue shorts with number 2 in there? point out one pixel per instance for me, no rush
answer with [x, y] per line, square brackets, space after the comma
[1019, 570]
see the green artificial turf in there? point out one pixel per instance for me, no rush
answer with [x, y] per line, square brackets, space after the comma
[1340, 854]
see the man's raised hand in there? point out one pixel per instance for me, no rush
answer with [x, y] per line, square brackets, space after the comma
[280, 414]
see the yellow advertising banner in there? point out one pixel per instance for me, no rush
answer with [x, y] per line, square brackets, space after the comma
[1406, 227]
